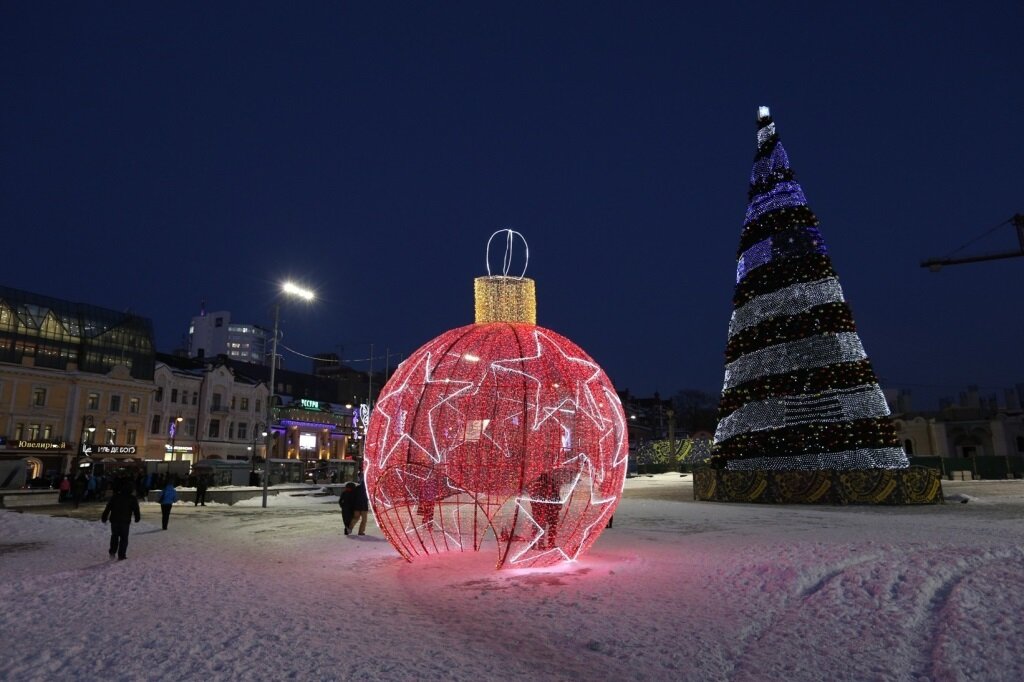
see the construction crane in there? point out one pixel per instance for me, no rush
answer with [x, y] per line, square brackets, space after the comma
[935, 264]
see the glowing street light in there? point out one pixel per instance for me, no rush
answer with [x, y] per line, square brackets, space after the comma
[175, 425]
[296, 290]
[291, 289]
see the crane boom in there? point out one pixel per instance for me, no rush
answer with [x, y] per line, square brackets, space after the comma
[935, 264]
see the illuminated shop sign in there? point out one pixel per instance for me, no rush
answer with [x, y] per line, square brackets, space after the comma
[38, 445]
[115, 449]
[310, 404]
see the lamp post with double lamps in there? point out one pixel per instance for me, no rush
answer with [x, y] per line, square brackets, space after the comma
[173, 429]
[307, 295]
[84, 449]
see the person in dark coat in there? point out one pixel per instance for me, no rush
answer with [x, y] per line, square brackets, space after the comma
[201, 485]
[430, 493]
[347, 502]
[78, 489]
[546, 507]
[168, 496]
[120, 510]
[360, 507]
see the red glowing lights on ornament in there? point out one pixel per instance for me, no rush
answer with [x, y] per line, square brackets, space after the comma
[498, 434]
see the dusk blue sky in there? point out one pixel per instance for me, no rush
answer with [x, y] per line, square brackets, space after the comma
[158, 154]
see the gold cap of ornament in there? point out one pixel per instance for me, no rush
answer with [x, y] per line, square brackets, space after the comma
[504, 298]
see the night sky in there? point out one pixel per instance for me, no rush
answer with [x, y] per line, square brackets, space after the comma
[158, 154]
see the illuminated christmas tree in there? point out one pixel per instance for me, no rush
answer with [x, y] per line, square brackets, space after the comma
[799, 390]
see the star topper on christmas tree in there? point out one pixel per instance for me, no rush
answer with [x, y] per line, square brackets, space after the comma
[501, 433]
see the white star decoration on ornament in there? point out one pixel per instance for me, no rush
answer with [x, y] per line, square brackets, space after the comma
[390, 408]
[571, 391]
[596, 501]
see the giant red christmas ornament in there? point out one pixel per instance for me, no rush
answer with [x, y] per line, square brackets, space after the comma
[500, 433]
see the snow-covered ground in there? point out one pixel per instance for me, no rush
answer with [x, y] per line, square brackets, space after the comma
[677, 590]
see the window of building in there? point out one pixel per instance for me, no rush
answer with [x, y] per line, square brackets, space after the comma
[115, 403]
[47, 431]
[33, 432]
[19, 431]
[155, 428]
[214, 428]
[39, 397]
[129, 437]
[174, 395]
[159, 394]
[258, 406]
[195, 397]
[908, 446]
[133, 406]
[232, 402]
[190, 426]
[218, 322]
[243, 431]
[215, 404]
[93, 403]
[231, 430]
[245, 404]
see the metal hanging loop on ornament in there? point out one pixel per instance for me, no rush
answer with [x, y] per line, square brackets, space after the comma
[510, 236]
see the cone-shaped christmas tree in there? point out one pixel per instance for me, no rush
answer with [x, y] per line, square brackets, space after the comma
[799, 391]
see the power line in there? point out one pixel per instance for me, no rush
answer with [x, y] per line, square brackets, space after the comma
[323, 359]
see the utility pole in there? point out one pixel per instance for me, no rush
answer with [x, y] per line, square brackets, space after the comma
[671, 438]
[270, 406]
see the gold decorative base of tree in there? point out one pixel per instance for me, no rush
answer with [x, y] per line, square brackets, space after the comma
[913, 485]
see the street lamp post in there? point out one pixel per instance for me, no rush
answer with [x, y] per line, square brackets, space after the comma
[671, 438]
[307, 295]
[83, 448]
[174, 430]
[258, 428]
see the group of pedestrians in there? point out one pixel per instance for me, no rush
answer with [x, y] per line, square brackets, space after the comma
[85, 487]
[124, 506]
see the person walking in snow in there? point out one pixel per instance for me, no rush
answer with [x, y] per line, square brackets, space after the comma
[347, 502]
[120, 510]
[167, 499]
[65, 489]
[360, 507]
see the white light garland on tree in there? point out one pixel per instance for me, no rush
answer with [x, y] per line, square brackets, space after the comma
[799, 391]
